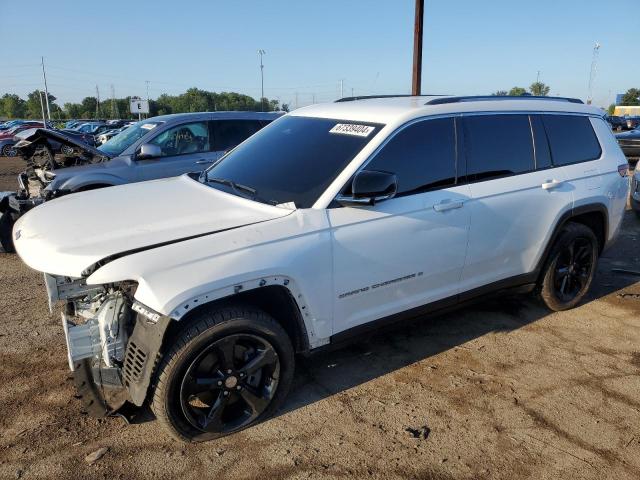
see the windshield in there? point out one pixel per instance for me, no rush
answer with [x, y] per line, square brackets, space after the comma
[294, 159]
[118, 144]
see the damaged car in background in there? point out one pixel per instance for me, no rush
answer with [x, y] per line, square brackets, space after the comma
[158, 147]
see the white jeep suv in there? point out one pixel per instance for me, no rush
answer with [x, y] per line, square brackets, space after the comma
[196, 292]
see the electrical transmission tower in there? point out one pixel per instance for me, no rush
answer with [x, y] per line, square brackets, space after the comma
[114, 104]
[594, 70]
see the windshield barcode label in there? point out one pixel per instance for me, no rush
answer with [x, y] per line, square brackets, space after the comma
[352, 129]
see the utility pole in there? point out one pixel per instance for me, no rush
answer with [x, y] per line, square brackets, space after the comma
[416, 82]
[594, 70]
[538, 77]
[97, 102]
[261, 53]
[342, 88]
[46, 92]
[44, 119]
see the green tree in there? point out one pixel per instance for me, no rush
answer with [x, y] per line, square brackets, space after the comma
[517, 92]
[500, 93]
[34, 107]
[611, 109]
[539, 89]
[632, 97]
[13, 106]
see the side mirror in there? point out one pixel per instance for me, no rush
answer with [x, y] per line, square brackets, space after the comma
[369, 187]
[148, 151]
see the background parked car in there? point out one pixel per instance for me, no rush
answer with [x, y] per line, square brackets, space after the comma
[632, 123]
[108, 135]
[616, 123]
[8, 140]
[159, 147]
[630, 144]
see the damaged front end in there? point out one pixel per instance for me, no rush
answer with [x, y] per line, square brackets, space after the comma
[112, 341]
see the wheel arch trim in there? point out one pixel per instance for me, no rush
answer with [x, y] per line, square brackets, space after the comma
[304, 317]
[566, 217]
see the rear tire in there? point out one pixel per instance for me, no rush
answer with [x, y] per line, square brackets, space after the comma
[570, 267]
[227, 370]
[6, 231]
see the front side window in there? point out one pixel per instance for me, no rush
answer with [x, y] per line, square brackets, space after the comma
[230, 133]
[294, 159]
[183, 139]
[571, 139]
[422, 155]
[497, 146]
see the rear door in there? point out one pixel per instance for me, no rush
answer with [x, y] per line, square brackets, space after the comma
[407, 251]
[517, 195]
[184, 148]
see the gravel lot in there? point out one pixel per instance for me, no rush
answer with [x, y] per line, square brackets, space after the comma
[503, 389]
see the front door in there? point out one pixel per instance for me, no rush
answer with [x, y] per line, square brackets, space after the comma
[407, 251]
[184, 148]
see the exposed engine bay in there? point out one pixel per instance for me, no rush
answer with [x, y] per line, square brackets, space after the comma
[99, 322]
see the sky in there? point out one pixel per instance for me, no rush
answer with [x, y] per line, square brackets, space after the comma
[315, 49]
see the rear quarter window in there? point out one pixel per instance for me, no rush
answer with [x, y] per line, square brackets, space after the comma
[571, 139]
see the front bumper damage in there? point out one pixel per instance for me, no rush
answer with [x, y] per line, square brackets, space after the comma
[112, 350]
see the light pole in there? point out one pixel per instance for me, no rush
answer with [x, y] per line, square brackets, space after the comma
[261, 53]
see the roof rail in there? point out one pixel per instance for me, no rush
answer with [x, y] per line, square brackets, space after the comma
[478, 98]
[366, 97]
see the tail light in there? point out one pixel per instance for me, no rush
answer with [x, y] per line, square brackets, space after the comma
[623, 170]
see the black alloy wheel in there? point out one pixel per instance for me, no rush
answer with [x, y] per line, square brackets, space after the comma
[223, 370]
[230, 383]
[573, 268]
[570, 267]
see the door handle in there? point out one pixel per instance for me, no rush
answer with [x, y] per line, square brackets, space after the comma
[445, 205]
[551, 184]
[201, 162]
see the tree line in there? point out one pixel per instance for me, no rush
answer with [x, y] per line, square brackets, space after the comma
[193, 100]
[538, 89]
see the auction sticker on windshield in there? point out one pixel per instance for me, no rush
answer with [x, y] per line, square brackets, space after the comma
[149, 126]
[352, 129]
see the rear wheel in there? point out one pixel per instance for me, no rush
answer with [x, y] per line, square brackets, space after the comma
[570, 268]
[226, 371]
[9, 151]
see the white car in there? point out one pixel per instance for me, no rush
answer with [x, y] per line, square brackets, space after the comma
[195, 292]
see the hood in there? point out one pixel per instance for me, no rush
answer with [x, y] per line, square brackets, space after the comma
[70, 234]
[27, 137]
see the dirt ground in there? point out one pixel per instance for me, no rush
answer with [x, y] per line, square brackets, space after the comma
[503, 389]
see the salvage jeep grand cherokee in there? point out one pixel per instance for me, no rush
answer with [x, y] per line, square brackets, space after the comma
[195, 292]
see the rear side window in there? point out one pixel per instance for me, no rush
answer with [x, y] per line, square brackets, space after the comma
[497, 146]
[571, 139]
[423, 156]
[230, 133]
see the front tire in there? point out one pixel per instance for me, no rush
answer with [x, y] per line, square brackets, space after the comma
[225, 371]
[6, 231]
[570, 268]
